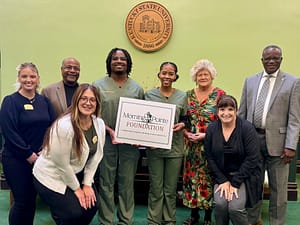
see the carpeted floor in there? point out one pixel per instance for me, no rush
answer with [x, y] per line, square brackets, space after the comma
[140, 217]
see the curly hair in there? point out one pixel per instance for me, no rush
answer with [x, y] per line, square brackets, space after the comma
[201, 65]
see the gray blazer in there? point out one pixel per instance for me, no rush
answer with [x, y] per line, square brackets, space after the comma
[57, 96]
[283, 117]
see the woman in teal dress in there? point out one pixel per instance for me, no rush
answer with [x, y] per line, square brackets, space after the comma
[197, 181]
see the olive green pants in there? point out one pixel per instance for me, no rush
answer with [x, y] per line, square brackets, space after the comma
[118, 167]
[163, 175]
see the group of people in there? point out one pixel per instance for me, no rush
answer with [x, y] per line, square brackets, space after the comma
[61, 145]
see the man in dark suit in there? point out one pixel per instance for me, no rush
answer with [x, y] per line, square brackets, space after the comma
[60, 94]
[277, 126]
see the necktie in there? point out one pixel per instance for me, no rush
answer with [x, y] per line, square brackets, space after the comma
[260, 103]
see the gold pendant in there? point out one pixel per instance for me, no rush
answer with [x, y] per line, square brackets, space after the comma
[95, 139]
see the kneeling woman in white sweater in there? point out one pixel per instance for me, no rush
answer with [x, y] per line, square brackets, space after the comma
[72, 150]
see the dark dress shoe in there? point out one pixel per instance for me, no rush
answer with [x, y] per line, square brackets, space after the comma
[191, 220]
[258, 223]
[207, 222]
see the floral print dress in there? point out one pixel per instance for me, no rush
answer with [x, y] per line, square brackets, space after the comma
[197, 181]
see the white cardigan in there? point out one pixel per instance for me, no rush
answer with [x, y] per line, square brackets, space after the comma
[57, 169]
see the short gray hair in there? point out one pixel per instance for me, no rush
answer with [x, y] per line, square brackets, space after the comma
[201, 65]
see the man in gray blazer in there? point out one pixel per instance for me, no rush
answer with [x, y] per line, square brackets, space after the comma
[278, 128]
[60, 94]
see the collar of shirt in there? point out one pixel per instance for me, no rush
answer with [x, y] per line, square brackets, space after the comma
[268, 98]
[265, 74]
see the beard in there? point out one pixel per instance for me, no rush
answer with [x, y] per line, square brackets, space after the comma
[119, 72]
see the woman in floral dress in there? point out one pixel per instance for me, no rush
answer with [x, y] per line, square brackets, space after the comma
[197, 181]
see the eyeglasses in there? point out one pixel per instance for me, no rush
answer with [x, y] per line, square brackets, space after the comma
[68, 67]
[86, 99]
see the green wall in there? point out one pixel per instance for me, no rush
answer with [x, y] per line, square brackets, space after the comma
[230, 33]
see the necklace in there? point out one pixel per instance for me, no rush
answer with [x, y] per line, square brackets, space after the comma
[29, 96]
[32, 100]
[92, 139]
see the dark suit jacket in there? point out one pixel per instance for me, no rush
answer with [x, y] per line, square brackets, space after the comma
[57, 96]
[283, 117]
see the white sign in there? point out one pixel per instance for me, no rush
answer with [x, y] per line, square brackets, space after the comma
[145, 123]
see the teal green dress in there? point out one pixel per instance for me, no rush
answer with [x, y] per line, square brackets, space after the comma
[197, 182]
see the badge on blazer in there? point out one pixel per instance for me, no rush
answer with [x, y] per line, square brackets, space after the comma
[28, 107]
[95, 139]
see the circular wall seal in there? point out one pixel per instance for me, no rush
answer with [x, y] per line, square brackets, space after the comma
[149, 26]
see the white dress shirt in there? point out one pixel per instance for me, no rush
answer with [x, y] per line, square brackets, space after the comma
[272, 82]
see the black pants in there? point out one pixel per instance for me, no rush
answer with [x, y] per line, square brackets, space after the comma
[18, 174]
[65, 208]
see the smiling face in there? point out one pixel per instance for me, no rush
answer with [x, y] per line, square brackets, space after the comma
[227, 115]
[204, 78]
[87, 103]
[119, 63]
[167, 75]
[271, 59]
[70, 71]
[29, 79]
